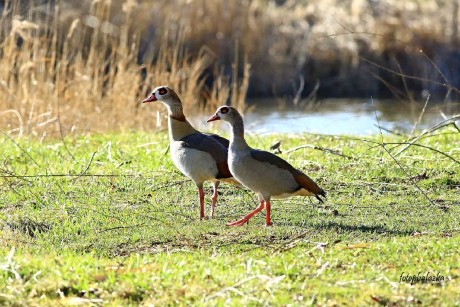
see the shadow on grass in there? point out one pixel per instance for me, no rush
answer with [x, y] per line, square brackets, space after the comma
[241, 241]
[29, 226]
[373, 229]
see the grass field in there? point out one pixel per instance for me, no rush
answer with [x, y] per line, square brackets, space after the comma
[107, 219]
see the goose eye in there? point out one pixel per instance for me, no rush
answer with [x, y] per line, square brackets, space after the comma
[162, 91]
[224, 110]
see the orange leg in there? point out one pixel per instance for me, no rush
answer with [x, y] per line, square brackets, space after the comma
[201, 193]
[267, 218]
[245, 219]
[214, 197]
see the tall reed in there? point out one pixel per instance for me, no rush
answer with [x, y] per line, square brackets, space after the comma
[61, 72]
[85, 65]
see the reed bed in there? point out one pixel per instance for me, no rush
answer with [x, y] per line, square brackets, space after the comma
[66, 70]
[81, 66]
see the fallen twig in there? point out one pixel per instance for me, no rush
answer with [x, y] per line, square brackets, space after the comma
[120, 227]
[322, 268]
[441, 125]
[390, 131]
[267, 279]
[232, 288]
[382, 144]
[454, 122]
[443, 84]
[293, 243]
[424, 146]
[379, 144]
[170, 185]
[419, 119]
[332, 151]
[19, 146]
[87, 166]
[291, 240]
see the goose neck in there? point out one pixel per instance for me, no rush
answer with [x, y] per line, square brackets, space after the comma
[237, 136]
[178, 126]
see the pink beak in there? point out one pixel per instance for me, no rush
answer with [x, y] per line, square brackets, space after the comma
[213, 118]
[150, 98]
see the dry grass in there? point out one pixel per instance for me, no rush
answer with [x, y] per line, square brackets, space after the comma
[62, 73]
[86, 65]
[326, 41]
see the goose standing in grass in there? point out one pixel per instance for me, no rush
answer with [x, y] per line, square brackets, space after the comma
[262, 172]
[199, 156]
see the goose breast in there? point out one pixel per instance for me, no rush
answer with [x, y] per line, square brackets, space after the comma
[196, 164]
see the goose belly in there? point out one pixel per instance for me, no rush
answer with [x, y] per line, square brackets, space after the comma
[299, 192]
[195, 164]
[263, 178]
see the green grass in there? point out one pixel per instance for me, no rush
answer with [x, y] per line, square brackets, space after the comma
[121, 226]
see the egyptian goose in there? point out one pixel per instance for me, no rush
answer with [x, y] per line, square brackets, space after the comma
[199, 156]
[262, 172]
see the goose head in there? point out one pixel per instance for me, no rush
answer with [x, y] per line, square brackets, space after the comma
[226, 113]
[166, 95]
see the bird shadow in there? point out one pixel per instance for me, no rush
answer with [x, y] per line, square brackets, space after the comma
[344, 228]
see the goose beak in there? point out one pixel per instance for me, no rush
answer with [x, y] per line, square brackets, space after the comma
[213, 118]
[150, 98]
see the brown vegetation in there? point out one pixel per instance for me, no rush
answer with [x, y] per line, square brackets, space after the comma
[86, 64]
[64, 69]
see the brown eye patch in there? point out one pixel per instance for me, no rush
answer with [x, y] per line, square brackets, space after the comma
[224, 110]
[162, 91]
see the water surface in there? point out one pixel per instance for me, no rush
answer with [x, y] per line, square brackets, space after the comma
[339, 116]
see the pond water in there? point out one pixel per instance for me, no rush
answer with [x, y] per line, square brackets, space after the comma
[338, 116]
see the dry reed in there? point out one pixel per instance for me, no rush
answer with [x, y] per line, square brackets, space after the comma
[84, 75]
[85, 65]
